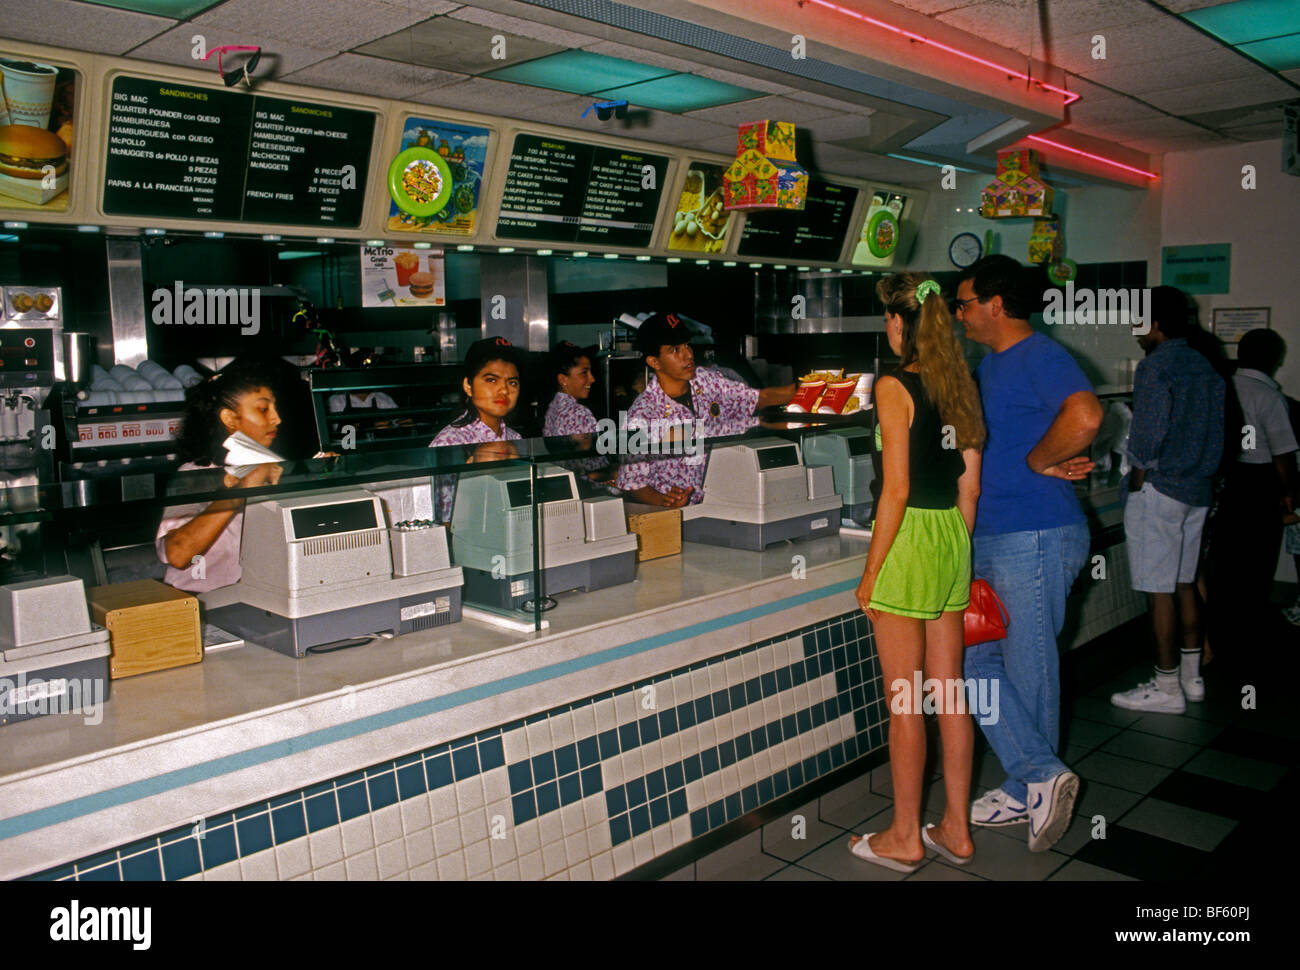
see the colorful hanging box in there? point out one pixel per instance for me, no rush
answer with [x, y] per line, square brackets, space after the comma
[774, 139]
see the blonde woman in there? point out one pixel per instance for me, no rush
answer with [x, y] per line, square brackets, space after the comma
[917, 580]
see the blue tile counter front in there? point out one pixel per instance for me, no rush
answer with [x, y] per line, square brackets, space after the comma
[589, 789]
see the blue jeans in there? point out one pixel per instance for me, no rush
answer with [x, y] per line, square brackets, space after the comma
[1032, 573]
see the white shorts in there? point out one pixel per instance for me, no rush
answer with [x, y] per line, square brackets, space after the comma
[1163, 537]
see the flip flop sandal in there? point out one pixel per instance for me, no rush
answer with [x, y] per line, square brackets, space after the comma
[952, 857]
[862, 849]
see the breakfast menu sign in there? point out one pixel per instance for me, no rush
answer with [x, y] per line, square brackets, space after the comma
[201, 153]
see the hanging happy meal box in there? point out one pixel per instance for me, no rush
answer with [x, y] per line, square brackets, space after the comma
[1017, 189]
[755, 181]
[773, 139]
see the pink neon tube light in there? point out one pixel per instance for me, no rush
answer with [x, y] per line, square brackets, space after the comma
[1070, 96]
[1095, 158]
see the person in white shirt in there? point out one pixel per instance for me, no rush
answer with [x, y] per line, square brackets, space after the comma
[1261, 487]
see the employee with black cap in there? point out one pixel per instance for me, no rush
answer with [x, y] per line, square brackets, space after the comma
[679, 394]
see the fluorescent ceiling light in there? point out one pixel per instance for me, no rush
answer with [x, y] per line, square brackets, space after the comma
[298, 253]
[1279, 53]
[926, 161]
[180, 9]
[579, 72]
[679, 93]
[1248, 20]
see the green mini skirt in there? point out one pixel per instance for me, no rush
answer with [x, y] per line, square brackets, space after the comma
[927, 570]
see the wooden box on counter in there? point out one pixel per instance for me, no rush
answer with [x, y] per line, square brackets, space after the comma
[151, 626]
[658, 531]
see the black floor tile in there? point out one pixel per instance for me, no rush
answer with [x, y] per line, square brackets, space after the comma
[1241, 740]
[1144, 856]
[1210, 795]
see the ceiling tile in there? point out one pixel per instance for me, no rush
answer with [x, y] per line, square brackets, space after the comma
[1109, 110]
[568, 113]
[760, 109]
[78, 26]
[335, 25]
[834, 104]
[523, 28]
[490, 97]
[825, 130]
[1178, 143]
[930, 7]
[1182, 6]
[455, 45]
[743, 80]
[372, 75]
[1222, 94]
[1154, 127]
[278, 57]
[1292, 76]
[1174, 72]
[1258, 132]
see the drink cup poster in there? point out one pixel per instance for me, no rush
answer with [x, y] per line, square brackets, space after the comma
[431, 153]
[391, 276]
[36, 102]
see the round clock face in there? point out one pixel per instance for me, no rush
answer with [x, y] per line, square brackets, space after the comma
[965, 249]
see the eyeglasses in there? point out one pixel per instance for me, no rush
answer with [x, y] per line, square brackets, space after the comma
[956, 306]
[242, 64]
[604, 109]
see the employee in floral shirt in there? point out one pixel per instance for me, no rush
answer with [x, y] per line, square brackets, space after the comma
[491, 388]
[567, 415]
[676, 392]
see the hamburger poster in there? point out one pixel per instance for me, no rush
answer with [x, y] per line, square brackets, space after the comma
[36, 101]
[391, 276]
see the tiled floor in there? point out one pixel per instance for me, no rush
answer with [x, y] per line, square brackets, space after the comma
[1163, 797]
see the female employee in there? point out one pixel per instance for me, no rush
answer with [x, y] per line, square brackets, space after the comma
[916, 584]
[567, 415]
[200, 544]
[678, 395]
[491, 386]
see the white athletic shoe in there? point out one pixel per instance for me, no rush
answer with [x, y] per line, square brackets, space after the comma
[1193, 689]
[1149, 697]
[1051, 806]
[997, 808]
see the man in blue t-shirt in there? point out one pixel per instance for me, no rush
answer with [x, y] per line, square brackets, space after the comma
[1030, 539]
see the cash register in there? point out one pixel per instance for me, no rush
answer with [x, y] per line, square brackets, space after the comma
[325, 568]
[759, 492]
[584, 542]
[847, 452]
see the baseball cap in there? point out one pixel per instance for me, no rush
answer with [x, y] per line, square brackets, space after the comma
[659, 330]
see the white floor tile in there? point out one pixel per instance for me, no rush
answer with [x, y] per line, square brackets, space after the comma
[363, 867]
[335, 872]
[387, 823]
[478, 859]
[530, 867]
[326, 847]
[419, 848]
[416, 815]
[358, 835]
[391, 859]
[451, 868]
[293, 858]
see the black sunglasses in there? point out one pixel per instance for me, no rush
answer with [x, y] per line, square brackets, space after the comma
[245, 58]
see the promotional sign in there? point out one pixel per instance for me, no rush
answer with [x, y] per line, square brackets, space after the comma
[391, 276]
[1197, 269]
[435, 182]
[1230, 325]
[200, 153]
[36, 102]
[701, 223]
[881, 229]
[570, 192]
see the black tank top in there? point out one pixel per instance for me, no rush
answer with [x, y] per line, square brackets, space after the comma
[933, 470]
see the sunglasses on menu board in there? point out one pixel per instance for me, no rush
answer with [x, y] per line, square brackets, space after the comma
[243, 59]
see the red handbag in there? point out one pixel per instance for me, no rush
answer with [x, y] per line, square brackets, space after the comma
[986, 618]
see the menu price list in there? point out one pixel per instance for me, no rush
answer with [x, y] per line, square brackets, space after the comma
[194, 153]
[816, 233]
[568, 192]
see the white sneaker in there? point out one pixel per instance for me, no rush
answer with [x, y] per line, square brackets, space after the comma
[1149, 697]
[1292, 614]
[1193, 689]
[1051, 807]
[997, 808]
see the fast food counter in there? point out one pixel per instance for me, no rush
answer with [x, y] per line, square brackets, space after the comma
[643, 717]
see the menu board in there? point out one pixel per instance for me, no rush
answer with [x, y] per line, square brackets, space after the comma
[200, 153]
[568, 192]
[815, 233]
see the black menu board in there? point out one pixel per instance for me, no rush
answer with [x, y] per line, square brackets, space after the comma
[568, 192]
[816, 233]
[201, 153]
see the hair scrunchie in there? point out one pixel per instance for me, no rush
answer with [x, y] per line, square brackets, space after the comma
[925, 289]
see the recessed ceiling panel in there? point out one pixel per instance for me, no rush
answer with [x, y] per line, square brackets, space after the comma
[1279, 53]
[179, 9]
[678, 93]
[1247, 20]
[447, 44]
